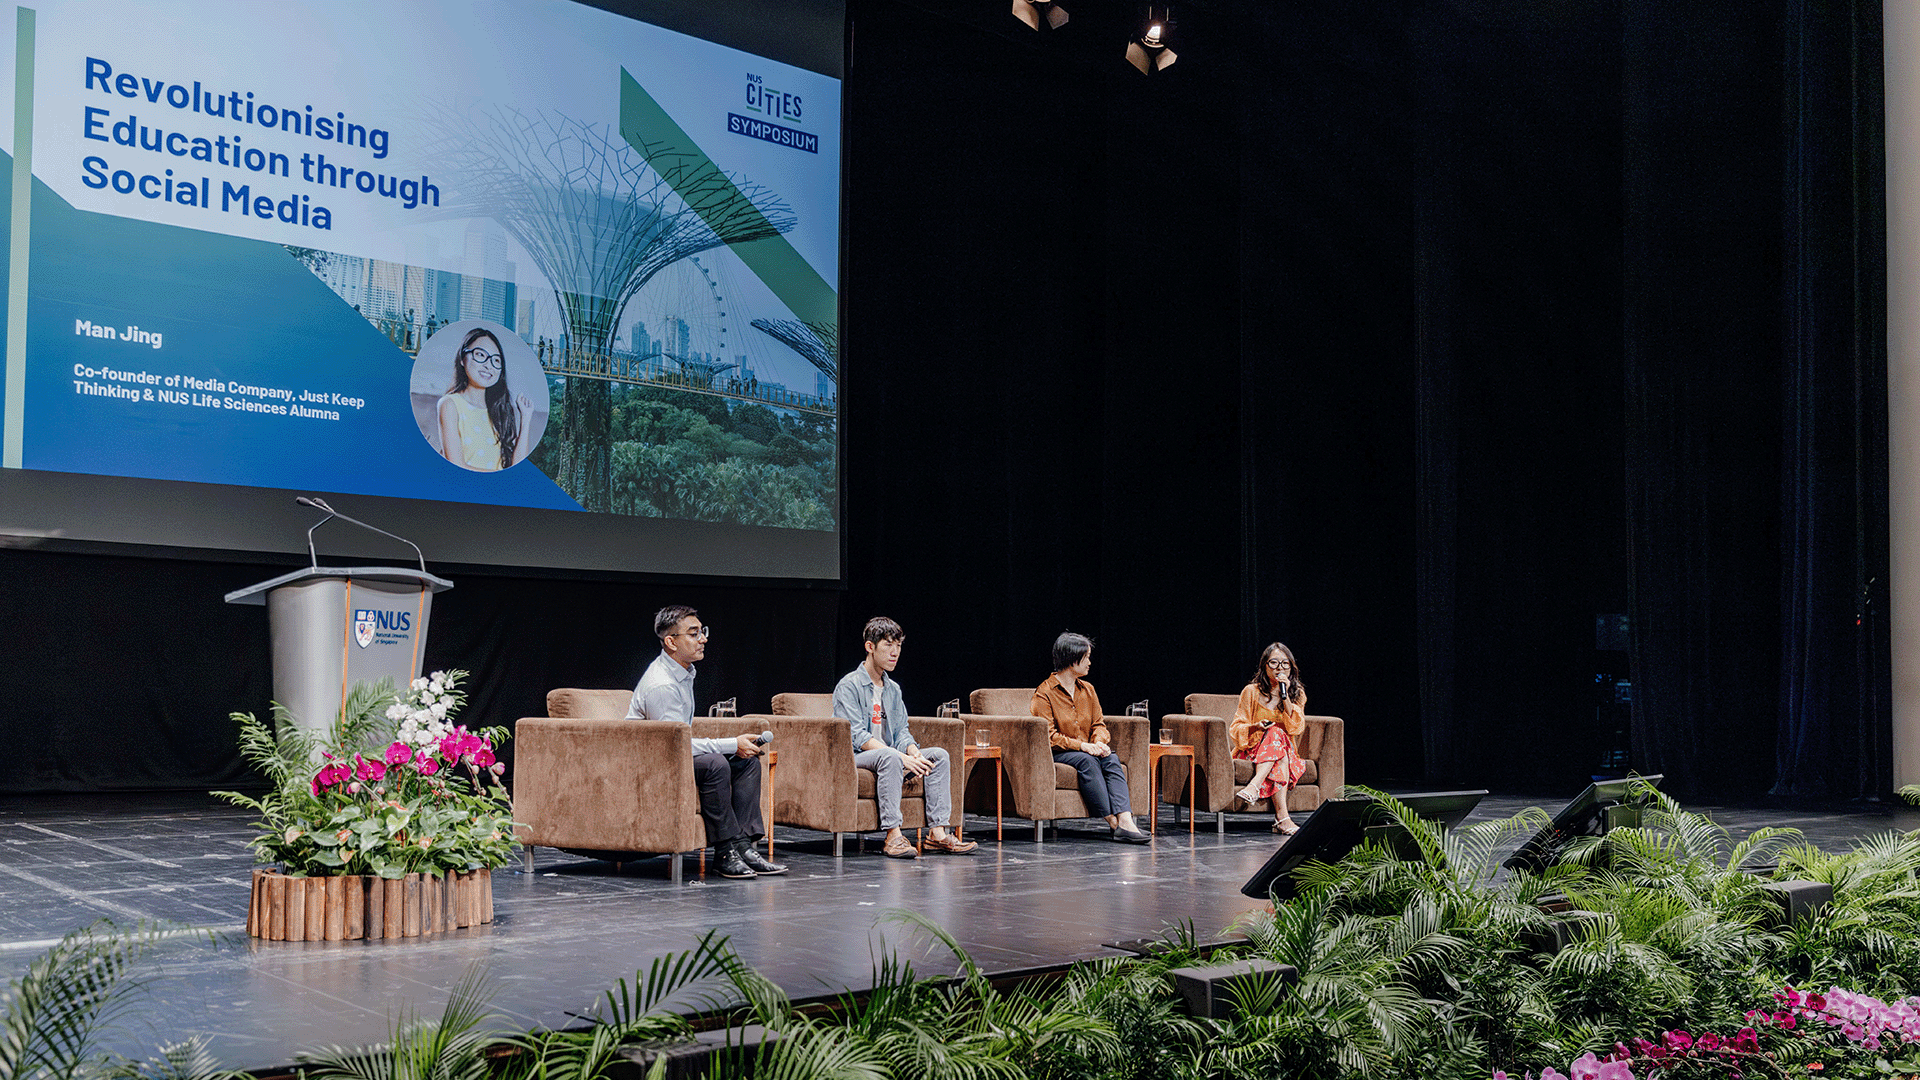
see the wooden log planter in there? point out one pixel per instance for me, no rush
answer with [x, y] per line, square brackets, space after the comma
[349, 908]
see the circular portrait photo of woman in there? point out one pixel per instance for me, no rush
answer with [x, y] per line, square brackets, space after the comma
[479, 395]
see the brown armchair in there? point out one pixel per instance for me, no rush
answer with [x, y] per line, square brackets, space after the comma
[591, 782]
[827, 792]
[1204, 727]
[1039, 788]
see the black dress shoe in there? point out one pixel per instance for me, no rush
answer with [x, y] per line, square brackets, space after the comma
[750, 854]
[1130, 836]
[729, 864]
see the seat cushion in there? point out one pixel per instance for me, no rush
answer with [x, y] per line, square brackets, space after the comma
[911, 787]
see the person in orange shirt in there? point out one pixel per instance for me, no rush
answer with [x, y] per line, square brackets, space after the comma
[1067, 703]
[1266, 729]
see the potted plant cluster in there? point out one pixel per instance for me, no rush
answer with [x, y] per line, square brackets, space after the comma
[388, 826]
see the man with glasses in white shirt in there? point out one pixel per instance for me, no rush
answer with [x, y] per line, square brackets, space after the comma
[725, 770]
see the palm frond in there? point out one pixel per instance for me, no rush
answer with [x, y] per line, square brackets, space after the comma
[51, 1015]
[190, 1060]
[450, 1048]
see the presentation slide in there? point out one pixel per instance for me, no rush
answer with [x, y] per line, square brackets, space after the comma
[483, 255]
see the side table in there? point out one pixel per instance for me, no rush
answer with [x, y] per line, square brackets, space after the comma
[773, 761]
[982, 753]
[1156, 751]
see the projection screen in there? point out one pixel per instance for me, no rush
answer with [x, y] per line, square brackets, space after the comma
[531, 282]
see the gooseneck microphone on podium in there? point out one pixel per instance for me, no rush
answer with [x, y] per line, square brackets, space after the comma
[321, 504]
[334, 626]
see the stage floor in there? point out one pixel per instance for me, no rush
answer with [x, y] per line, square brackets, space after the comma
[565, 933]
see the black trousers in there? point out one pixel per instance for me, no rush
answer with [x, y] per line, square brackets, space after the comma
[729, 796]
[1103, 783]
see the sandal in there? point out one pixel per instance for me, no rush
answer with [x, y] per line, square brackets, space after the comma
[1247, 795]
[1285, 828]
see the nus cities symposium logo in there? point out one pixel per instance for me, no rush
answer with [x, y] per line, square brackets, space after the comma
[386, 627]
[766, 105]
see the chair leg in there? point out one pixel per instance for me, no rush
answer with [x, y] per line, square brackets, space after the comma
[1220, 822]
[526, 858]
[674, 873]
[839, 845]
[1039, 832]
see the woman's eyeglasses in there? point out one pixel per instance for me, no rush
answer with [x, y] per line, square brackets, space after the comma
[483, 357]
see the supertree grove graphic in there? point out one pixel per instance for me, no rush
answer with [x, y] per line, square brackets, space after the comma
[600, 222]
[817, 343]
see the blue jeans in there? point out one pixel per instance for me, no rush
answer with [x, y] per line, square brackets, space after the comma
[1103, 783]
[890, 771]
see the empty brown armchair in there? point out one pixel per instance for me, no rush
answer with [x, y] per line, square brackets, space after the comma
[820, 788]
[1039, 788]
[591, 782]
[1204, 727]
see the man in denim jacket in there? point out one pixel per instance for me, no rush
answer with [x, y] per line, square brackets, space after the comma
[870, 702]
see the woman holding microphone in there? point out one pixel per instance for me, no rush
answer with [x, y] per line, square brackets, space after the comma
[1267, 725]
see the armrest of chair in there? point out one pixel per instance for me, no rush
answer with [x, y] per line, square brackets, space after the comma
[1131, 737]
[817, 788]
[950, 735]
[1212, 752]
[1027, 757]
[610, 785]
[1327, 736]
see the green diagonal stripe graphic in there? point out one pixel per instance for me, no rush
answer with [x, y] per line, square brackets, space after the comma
[674, 154]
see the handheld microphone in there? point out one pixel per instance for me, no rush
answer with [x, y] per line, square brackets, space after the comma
[763, 738]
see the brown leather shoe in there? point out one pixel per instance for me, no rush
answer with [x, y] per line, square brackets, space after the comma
[950, 845]
[900, 847]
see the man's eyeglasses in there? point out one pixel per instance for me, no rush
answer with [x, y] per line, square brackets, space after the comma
[698, 633]
[483, 357]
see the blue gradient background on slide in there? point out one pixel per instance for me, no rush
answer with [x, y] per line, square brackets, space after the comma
[237, 310]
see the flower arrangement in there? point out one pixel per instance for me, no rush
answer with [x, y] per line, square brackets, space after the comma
[1803, 1024]
[1870, 1030]
[397, 788]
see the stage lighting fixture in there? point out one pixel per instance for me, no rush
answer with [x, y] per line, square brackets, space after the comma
[1148, 51]
[1040, 14]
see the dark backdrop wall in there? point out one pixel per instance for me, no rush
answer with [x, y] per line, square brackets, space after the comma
[1415, 335]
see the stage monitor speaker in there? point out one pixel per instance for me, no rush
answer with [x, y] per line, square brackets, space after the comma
[1340, 825]
[1605, 805]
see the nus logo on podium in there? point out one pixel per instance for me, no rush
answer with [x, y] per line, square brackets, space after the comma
[372, 625]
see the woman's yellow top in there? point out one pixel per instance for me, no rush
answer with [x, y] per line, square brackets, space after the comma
[479, 447]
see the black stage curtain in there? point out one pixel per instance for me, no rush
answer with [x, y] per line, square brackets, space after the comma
[1835, 734]
[1518, 387]
[1755, 334]
[122, 671]
[1703, 170]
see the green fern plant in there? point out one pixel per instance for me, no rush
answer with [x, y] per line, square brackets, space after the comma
[453, 1047]
[637, 1014]
[52, 1015]
[1865, 938]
